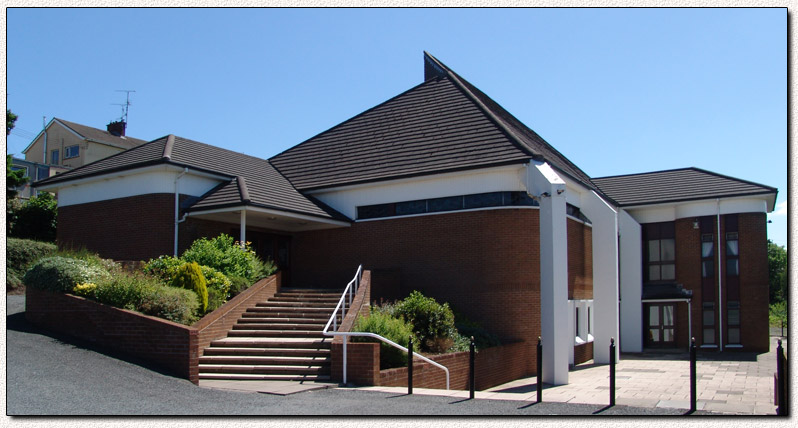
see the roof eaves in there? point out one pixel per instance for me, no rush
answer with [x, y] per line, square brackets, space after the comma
[697, 198]
[61, 179]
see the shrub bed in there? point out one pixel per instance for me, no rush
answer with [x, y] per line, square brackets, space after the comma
[20, 255]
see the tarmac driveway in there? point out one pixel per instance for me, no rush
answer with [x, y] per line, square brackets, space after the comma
[51, 375]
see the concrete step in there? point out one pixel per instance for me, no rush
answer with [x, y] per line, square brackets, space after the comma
[266, 352]
[250, 319]
[275, 333]
[316, 299]
[255, 360]
[269, 370]
[279, 326]
[298, 304]
[274, 342]
[293, 377]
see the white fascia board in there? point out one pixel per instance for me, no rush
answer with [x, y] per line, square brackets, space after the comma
[269, 211]
[541, 178]
[53, 187]
[676, 210]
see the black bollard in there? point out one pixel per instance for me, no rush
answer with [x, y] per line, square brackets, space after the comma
[471, 382]
[539, 386]
[782, 383]
[693, 379]
[410, 367]
[612, 371]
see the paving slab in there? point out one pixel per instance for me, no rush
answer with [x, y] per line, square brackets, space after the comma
[266, 386]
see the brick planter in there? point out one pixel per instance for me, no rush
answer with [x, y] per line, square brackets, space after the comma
[172, 346]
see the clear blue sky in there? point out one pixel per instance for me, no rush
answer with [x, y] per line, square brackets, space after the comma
[616, 90]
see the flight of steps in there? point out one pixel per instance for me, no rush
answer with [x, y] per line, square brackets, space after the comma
[280, 339]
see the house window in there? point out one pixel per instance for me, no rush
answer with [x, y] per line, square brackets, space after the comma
[589, 327]
[71, 152]
[578, 333]
[660, 251]
[733, 322]
[732, 254]
[55, 157]
[449, 203]
[707, 252]
[708, 322]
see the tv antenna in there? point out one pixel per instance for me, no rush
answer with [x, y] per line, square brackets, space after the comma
[126, 105]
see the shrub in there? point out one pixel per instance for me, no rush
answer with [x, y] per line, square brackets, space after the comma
[173, 304]
[21, 253]
[35, 219]
[224, 255]
[13, 281]
[147, 295]
[238, 284]
[467, 328]
[432, 322]
[218, 287]
[164, 267]
[61, 274]
[189, 276]
[394, 329]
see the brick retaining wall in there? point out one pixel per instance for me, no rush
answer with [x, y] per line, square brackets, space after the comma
[172, 346]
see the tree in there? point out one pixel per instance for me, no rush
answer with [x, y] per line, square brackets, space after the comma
[14, 179]
[10, 119]
[36, 219]
[777, 272]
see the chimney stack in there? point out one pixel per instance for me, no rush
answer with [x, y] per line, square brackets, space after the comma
[117, 128]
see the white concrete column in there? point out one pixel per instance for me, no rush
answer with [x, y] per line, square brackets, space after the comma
[605, 274]
[549, 188]
[631, 284]
[243, 234]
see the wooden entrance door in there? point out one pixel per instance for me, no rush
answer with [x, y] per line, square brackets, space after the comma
[660, 325]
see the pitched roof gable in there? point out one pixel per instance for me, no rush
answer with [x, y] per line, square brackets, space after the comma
[101, 136]
[444, 124]
[251, 180]
[676, 185]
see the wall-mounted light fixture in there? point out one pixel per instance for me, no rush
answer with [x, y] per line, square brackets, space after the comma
[695, 223]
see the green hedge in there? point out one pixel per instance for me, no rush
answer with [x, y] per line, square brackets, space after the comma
[20, 255]
[149, 296]
[61, 274]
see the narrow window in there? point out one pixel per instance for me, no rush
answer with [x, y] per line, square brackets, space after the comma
[577, 321]
[732, 254]
[707, 252]
[660, 251]
[589, 329]
[55, 157]
[733, 322]
[708, 321]
[71, 152]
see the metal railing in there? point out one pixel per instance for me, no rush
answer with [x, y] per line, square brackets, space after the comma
[351, 289]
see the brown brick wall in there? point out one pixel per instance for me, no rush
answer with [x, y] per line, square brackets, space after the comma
[580, 260]
[132, 228]
[484, 263]
[167, 344]
[753, 280]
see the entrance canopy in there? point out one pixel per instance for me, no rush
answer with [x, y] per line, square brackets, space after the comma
[278, 220]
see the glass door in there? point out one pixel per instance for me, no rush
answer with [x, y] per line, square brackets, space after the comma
[660, 325]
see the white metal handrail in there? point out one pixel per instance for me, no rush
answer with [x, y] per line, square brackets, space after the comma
[342, 306]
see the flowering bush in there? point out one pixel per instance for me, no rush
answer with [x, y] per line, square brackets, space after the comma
[62, 274]
[86, 289]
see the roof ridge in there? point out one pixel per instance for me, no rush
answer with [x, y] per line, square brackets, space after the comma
[644, 173]
[167, 148]
[65, 122]
[242, 189]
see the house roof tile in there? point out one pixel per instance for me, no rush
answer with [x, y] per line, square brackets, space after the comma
[677, 185]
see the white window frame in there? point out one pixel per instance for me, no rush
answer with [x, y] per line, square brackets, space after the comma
[66, 151]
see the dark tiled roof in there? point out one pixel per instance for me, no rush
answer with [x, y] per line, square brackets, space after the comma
[252, 181]
[430, 128]
[441, 125]
[99, 135]
[676, 185]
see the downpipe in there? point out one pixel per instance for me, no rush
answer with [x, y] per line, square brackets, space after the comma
[178, 220]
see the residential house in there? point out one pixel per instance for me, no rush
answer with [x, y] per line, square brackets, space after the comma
[71, 145]
[440, 189]
[34, 171]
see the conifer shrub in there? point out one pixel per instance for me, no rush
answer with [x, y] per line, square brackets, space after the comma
[189, 276]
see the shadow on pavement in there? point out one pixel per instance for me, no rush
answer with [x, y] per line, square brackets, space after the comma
[603, 409]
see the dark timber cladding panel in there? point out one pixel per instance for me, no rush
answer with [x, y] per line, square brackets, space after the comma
[484, 263]
[429, 128]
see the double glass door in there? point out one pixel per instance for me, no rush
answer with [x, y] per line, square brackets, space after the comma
[660, 328]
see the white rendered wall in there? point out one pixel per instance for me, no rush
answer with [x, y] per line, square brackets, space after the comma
[499, 179]
[554, 314]
[605, 274]
[671, 212]
[631, 284]
[143, 182]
